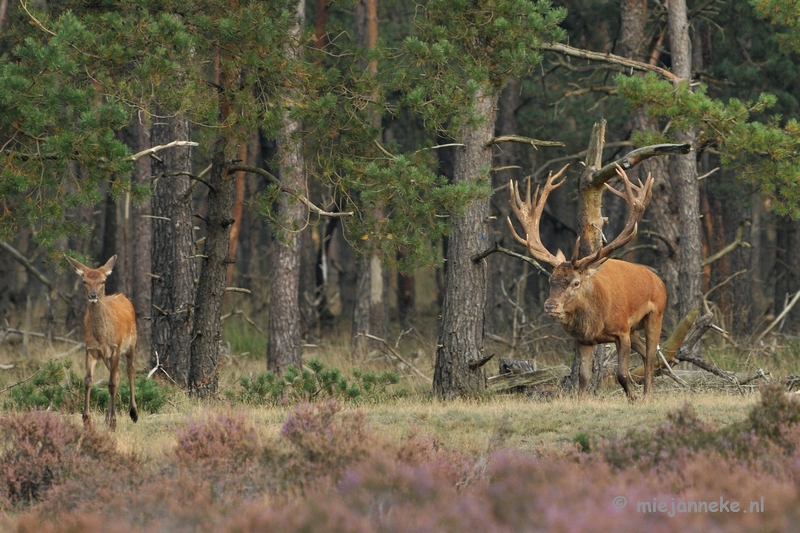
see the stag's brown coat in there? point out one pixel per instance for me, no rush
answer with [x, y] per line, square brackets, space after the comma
[595, 299]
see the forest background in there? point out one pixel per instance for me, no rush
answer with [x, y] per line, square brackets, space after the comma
[313, 188]
[327, 173]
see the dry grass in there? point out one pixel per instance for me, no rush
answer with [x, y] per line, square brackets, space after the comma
[471, 426]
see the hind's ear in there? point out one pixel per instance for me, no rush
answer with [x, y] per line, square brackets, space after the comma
[79, 267]
[109, 266]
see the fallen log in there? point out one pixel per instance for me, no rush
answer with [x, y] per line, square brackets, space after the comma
[503, 382]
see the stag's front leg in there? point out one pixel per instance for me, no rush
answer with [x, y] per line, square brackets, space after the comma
[113, 383]
[585, 352]
[91, 360]
[623, 365]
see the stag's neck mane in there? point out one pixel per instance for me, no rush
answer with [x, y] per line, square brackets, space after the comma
[583, 321]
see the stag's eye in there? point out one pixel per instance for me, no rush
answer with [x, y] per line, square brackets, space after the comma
[576, 284]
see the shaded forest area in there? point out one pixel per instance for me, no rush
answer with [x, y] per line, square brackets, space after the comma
[335, 153]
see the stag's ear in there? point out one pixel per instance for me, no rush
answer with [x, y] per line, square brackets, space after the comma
[594, 267]
[109, 266]
[560, 257]
[79, 267]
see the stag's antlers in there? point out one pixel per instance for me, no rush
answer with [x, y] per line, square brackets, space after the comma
[529, 214]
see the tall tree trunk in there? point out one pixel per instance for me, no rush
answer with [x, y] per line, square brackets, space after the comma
[284, 342]
[663, 210]
[110, 246]
[788, 271]
[684, 171]
[370, 314]
[172, 261]
[204, 375]
[141, 256]
[461, 334]
[238, 210]
[504, 270]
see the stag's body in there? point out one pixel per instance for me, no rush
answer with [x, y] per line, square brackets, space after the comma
[609, 306]
[109, 331]
[596, 299]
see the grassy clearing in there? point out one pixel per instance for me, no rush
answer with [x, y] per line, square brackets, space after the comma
[471, 426]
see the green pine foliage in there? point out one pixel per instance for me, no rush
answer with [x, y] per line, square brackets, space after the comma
[467, 45]
[315, 382]
[56, 386]
[786, 15]
[58, 128]
[767, 154]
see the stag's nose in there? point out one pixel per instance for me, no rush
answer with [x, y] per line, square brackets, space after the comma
[550, 307]
[92, 296]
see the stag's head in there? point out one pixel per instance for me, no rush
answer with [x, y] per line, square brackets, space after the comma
[571, 278]
[567, 283]
[94, 279]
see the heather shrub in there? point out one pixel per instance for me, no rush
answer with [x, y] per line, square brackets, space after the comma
[223, 439]
[40, 450]
[774, 415]
[671, 443]
[324, 441]
[314, 383]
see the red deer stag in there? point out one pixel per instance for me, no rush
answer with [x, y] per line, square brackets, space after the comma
[596, 299]
[109, 330]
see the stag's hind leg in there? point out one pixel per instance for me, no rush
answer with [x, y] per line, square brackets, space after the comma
[652, 328]
[623, 364]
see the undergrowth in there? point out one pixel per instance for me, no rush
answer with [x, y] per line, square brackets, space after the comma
[56, 386]
[314, 382]
[328, 470]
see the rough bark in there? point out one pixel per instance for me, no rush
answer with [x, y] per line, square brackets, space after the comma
[662, 215]
[461, 334]
[370, 313]
[142, 238]
[238, 210]
[110, 246]
[172, 262]
[504, 270]
[788, 272]
[204, 375]
[284, 341]
[684, 171]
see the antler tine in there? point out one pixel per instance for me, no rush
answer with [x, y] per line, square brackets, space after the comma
[529, 213]
[637, 197]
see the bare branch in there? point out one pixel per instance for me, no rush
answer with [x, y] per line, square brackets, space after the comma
[521, 139]
[634, 157]
[396, 354]
[498, 248]
[154, 149]
[731, 247]
[608, 58]
[261, 172]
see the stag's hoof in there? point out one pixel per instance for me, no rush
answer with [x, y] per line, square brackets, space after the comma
[134, 414]
[111, 421]
[87, 420]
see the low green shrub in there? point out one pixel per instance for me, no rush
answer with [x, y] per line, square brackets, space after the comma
[312, 383]
[56, 386]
